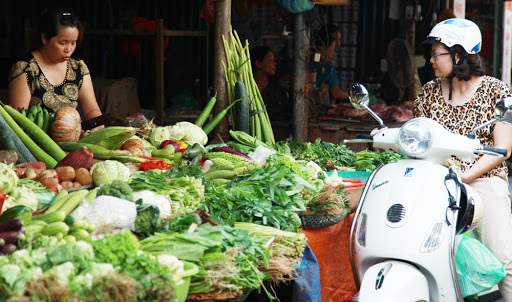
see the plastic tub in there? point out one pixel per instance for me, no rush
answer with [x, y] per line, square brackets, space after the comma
[361, 175]
[181, 292]
[354, 189]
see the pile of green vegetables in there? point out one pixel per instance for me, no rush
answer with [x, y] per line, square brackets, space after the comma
[228, 258]
[108, 269]
[185, 192]
[330, 156]
[268, 196]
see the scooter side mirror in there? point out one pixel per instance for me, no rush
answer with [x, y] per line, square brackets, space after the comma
[358, 97]
[502, 113]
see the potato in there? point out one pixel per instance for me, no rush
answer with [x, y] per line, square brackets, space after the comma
[133, 142]
[76, 184]
[135, 151]
[66, 173]
[67, 184]
[49, 179]
[83, 176]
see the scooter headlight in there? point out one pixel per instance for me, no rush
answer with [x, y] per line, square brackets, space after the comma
[415, 137]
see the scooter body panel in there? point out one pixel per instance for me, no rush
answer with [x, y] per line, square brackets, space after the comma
[403, 203]
[409, 284]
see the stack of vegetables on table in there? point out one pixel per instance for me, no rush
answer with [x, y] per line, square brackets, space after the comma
[143, 212]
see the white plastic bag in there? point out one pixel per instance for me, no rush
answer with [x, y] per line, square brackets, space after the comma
[107, 213]
[260, 154]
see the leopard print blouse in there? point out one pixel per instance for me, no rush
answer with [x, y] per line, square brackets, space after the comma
[462, 119]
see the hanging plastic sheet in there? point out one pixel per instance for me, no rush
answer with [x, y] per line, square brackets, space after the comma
[295, 6]
[306, 287]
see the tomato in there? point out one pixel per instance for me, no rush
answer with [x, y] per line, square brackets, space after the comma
[155, 164]
[3, 197]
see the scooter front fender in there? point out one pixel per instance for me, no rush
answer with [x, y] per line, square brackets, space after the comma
[393, 281]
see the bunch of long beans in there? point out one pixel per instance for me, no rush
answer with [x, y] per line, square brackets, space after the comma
[239, 68]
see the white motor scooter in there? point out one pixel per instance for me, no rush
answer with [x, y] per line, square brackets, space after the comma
[404, 234]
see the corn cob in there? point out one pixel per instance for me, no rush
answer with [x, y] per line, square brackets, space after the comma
[109, 137]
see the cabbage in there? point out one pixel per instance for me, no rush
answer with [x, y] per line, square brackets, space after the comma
[176, 132]
[193, 133]
[8, 179]
[158, 135]
[106, 171]
[22, 196]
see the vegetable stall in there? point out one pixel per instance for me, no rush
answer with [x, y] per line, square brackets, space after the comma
[147, 212]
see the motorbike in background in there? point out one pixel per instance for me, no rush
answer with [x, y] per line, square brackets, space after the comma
[413, 212]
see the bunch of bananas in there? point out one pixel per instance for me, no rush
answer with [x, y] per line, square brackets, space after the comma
[39, 115]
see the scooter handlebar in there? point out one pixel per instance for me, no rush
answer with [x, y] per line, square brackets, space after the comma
[492, 151]
[360, 138]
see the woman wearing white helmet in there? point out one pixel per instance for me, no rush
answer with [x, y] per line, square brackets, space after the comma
[460, 98]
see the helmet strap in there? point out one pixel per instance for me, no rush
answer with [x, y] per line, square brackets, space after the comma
[450, 85]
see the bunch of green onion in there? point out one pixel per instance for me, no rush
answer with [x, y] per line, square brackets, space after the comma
[239, 67]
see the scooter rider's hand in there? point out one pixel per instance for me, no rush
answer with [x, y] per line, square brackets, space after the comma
[455, 167]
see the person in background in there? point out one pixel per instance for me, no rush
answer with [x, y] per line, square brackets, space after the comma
[327, 42]
[460, 98]
[49, 75]
[275, 96]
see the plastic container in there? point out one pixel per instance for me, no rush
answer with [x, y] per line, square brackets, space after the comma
[354, 191]
[361, 175]
[181, 292]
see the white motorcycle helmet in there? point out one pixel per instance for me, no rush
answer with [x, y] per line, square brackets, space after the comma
[457, 31]
[471, 210]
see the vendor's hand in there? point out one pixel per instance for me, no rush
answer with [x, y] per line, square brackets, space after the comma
[377, 131]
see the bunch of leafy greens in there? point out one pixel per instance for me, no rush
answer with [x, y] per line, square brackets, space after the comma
[319, 152]
[228, 258]
[267, 196]
[78, 272]
[367, 160]
[121, 250]
[283, 161]
[185, 192]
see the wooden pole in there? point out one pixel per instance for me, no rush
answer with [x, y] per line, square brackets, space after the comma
[222, 28]
[159, 65]
[301, 59]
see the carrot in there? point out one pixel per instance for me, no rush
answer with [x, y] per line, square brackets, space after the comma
[39, 153]
[201, 119]
[37, 134]
[216, 120]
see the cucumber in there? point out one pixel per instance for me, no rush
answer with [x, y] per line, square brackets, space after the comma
[80, 234]
[69, 238]
[24, 155]
[241, 108]
[20, 211]
[7, 141]
[227, 174]
[57, 216]
[55, 228]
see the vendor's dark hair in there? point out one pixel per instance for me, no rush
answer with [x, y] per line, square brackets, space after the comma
[471, 65]
[258, 53]
[323, 36]
[51, 19]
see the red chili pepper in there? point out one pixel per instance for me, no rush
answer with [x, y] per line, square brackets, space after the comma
[155, 164]
[3, 197]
